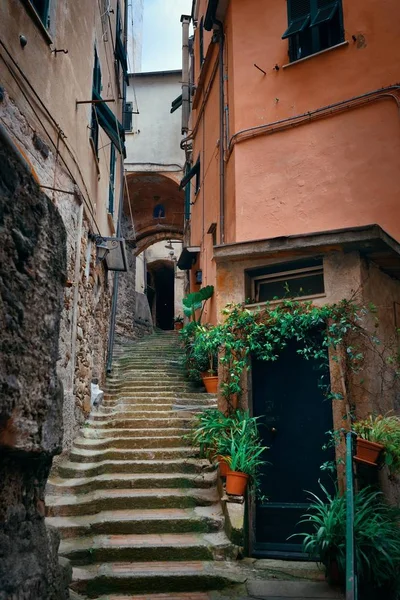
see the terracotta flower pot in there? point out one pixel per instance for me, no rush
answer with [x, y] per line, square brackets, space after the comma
[178, 326]
[236, 483]
[223, 466]
[211, 384]
[368, 452]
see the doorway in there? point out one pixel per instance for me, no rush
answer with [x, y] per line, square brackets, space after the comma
[161, 293]
[294, 416]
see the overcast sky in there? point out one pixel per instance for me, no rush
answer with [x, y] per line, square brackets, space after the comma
[162, 34]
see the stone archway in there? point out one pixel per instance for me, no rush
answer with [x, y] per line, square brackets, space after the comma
[156, 204]
[153, 212]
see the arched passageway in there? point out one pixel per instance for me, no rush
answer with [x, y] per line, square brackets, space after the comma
[161, 293]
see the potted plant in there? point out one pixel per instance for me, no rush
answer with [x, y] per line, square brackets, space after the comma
[376, 434]
[196, 301]
[244, 457]
[178, 322]
[206, 345]
[376, 532]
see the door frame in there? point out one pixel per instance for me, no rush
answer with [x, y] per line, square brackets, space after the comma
[250, 499]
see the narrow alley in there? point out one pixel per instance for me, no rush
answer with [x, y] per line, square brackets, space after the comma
[199, 300]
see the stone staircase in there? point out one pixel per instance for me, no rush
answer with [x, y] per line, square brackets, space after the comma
[137, 510]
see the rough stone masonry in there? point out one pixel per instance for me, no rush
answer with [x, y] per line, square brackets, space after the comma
[32, 277]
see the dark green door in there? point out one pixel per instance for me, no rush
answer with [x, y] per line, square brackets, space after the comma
[294, 417]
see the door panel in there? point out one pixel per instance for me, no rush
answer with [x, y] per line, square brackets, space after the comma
[294, 417]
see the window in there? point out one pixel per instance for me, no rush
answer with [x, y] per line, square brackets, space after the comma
[313, 25]
[201, 41]
[96, 91]
[42, 10]
[111, 186]
[193, 172]
[159, 212]
[127, 120]
[297, 279]
[120, 51]
[103, 116]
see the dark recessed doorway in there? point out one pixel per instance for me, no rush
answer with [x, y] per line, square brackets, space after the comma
[161, 293]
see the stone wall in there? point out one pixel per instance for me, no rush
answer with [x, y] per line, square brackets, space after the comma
[85, 316]
[133, 313]
[32, 277]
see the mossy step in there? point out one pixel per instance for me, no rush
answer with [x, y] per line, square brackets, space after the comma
[83, 455]
[147, 547]
[94, 502]
[146, 577]
[179, 465]
[202, 519]
[83, 485]
[108, 415]
[166, 441]
[95, 433]
[126, 412]
[117, 423]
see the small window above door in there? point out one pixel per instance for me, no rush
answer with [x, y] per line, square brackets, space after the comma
[297, 279]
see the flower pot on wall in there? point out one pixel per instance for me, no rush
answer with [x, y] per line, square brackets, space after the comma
[178, 326]
[368, 452]
[211, 384]
[236, 483]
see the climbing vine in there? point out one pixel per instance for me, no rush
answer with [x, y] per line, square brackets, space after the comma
[264, 333]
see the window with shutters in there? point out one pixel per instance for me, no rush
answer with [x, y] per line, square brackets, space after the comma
[96, 89]
[111, 185]
[127, 120]
[201, 41]
[313, 26]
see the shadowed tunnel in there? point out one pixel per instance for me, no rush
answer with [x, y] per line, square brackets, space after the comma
[161, 293]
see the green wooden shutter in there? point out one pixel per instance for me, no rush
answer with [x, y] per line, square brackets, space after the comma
[111, 189]
[299, 13]
[127, 116]
[326, 11]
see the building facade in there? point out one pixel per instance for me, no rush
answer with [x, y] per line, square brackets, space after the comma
[63, 79]
[293, 168]
[153, 203]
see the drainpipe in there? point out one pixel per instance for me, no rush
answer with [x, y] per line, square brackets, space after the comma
[114, 301]
[185, 20]
[221, 135]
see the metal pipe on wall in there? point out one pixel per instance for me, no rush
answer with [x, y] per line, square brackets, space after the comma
[221, 134]
[185, 20]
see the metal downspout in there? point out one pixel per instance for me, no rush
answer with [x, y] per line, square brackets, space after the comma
[185, 20]
[221, 135]
[114, 301]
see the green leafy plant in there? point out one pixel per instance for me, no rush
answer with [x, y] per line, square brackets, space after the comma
[178, 319]
[243, 450]
[196, 301]
[383, 430]
[377, 539]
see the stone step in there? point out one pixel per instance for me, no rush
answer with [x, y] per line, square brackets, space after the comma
[117, 423]
[125, 412]
[93, 432]
[148, 387]
[139, 406]
[148, 547]
[166, 441]
[202, 519]
[83, 485]
[150, 577]
[83, 455]
[99, 500]
[173, 399]
[90, 469]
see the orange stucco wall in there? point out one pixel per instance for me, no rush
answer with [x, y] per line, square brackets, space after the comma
[339, 171]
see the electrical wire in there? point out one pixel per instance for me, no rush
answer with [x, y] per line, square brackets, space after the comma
[57, 127]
